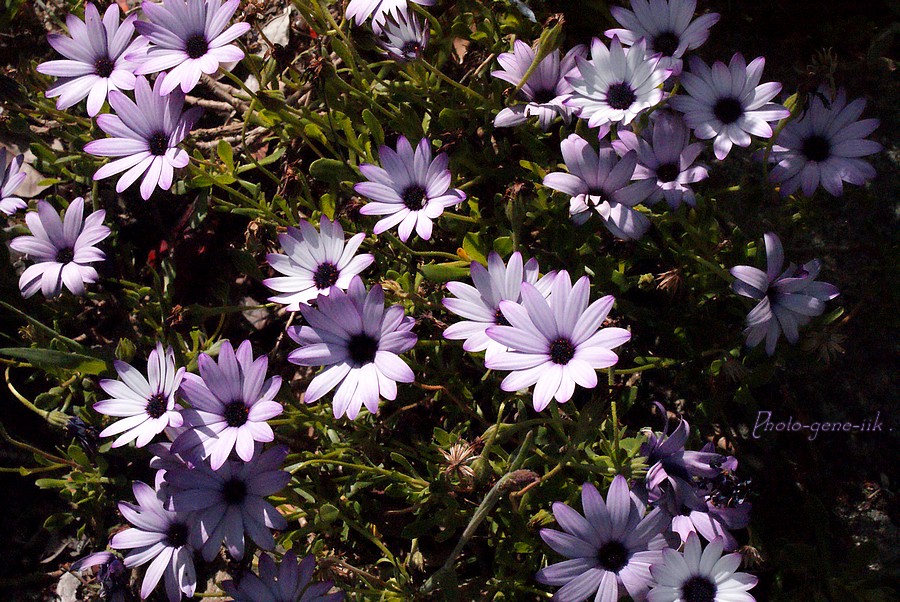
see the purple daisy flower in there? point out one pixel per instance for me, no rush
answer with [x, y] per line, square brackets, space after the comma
[616, 84]
[546, 88]
[360, 341]
[726, 103]
[555, 343]
[95, 58]
[411, 190]
[599, 180]
[403, 37]
[668, 459]
[189, 38]
[288, 582]
[146, 134]
[230, 403]
[665, 156]
[147, 405]
[693, 509]
[159, 535]
[667, 27]
[63, 248]
[230, 501]
[824, 146]
[11, 177]
[112, 574]
[610, 548]
[690, 576]
[788, 299]
[360, 10]
[315, 262]
[480, 305]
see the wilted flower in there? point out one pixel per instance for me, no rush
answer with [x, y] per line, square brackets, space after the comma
[610, 548]
[555, 343]
[726, 103]
[230, 403]
[96, 58]
[824, 146]
[378, 10]
[63, 248]
[665, 156]
[615, 84]
[666, 26]
[411, 190]
[457, 459]
[402, 36]
[546, 88]
[480, 305]
[288, 582]
[11, 177]
[189, 38]
[146, 135]
[788, 299]
[360, 341]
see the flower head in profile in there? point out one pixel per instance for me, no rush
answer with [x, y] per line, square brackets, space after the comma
[616, 84]
[111, 574]
[315, 262]
[410, 189]
[480, 305]
[666, 25]
[668, 459]
[145, 404]
[610, 548]
[665, 156]
[230, 401]
[146, 134]
[692, 576]
[555, 343]
[360, 341]
[546, 88]
[11, 177]
[787, 299]
[63, 249]
[360, 10]
[187, 38]
[824, 146]
[95, 62]
[288, 582]
[601, 181]
[161, 536]
[728, 103]
[402, 36]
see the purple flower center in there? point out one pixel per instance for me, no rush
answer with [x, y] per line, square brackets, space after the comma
[668, 172]
[104, 66]
[620, 96]
[500, 319]
[414, 197]
[196, 46]
[544, 96]
[561, 351]
[65, 255]
[236, 413]
[325, 275]
[698, 589]
[613, 556]
[156, 405]
[411, 48]
[362, 349]
[816, 148]
[726, 490]
[728, 110]
[176, 535]
[234, 491]
[666, 43]
[158, 143]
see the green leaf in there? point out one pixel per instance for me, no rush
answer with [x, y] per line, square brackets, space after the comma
[50, 358]
[226, 154]
[444, 272]
[329, 513]
[375, 129]
[331, 170]
[473, 246]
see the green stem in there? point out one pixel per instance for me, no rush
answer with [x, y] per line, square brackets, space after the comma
[360, 467]
[455, 84]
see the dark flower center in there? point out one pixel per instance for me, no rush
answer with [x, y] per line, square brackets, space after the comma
[65, 255]
[236, 413]
[727, 490]
[728, 110]
[156, 405]
[196, 46]
[698, 589]
[177, 535]
[362, 349]
[668, 172]
[414, 197]
[104, 66]
[561, 351]
[412, 47]
[666, 43]
[158, 143]
[234, 491]
[816, 148]
[620, 96]
[326, 275]
[500, 319]
[544, 96]
[613, 556]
